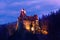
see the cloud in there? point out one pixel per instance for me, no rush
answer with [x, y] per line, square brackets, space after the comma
[2, 5]
[50, 2]
[27, 3]
[6, 13]
[53, 2]
[16, 4]
[13, 13]
[37, 4]
[2, 11]
[7, 19]
[35, 7]
[8, 16]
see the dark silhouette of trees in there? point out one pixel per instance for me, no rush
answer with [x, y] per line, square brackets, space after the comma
[54, 26]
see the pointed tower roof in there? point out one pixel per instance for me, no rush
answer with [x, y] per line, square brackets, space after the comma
[23, 10]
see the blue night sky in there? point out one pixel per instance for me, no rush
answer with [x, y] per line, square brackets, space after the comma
[10, 9]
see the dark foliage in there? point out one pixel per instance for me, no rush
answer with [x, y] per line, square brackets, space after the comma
[54, 26]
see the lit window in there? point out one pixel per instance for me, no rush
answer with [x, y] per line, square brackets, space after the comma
[32, 28]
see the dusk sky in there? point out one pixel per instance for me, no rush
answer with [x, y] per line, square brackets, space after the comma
[10, 9]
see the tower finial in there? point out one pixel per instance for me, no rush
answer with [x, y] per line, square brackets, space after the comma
[23, 10]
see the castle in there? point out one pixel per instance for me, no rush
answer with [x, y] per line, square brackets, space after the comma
[30, 23]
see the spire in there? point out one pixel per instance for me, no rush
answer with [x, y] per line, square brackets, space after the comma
[23, 13]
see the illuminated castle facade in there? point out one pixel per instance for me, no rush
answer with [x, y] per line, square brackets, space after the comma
[30, 23]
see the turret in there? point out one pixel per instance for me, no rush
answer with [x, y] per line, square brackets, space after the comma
[23, 13]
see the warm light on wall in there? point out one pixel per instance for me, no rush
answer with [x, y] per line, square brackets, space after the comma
[37, 22]
[27, 24]
[16, 26]
[32, 29]
[27, 27]
[44, 32]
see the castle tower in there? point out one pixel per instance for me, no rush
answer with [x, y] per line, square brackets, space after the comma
[23, 13]
[20, 19]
